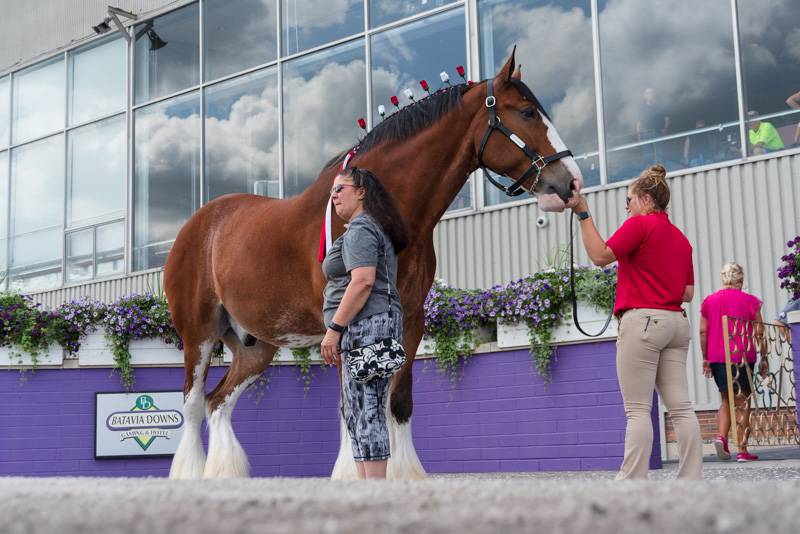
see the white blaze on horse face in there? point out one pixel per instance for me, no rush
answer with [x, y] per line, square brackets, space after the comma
[559, 146]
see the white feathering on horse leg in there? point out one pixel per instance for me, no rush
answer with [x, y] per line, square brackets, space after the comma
[226, 457]
[345, 466]
[403, 463]
[190, 457]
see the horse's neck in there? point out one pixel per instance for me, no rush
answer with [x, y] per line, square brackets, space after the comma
[425, 172]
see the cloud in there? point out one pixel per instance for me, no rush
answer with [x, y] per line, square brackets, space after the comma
[310, 14]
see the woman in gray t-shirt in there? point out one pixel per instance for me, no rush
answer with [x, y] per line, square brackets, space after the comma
[361, 269]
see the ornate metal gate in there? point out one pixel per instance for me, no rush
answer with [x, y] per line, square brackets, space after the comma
[772, 395]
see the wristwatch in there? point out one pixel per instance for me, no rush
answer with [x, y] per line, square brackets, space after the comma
[583, 215]
[336, 327]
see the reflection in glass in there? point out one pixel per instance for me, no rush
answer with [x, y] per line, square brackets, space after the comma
[770, 51]
[110, 244]
[323, 97]
[385, 11]
[167, 54]
[5, 102]
[96, 171]
[37, 212]
[308, 24]
[166, 176]
[80, 255]
[660, 81]
[38, 107]
[401, 57]
[238, 34]
[3, 218]
[563, 82]
[97, 81]
[242, 136]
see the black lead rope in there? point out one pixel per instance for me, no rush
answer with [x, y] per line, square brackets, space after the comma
[573, 295]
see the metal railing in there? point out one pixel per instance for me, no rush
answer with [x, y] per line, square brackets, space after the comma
[760, 375]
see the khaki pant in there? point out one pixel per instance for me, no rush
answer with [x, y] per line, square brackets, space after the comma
[651, 353]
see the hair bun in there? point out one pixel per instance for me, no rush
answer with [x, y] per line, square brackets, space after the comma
[658, 171]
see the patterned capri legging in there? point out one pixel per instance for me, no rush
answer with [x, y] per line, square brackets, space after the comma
[364, 405]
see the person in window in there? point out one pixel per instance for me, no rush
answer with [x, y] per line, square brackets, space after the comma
[735, 303]
[653, 120]
[698, 149]
[794, 103]
[655, 278]
[763, 135]
[361, 267]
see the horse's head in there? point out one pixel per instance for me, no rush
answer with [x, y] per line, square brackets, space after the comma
[521, 143]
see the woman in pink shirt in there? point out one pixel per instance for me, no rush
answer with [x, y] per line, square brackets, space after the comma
[733, 302]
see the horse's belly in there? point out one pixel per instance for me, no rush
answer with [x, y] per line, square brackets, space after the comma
[295, 340]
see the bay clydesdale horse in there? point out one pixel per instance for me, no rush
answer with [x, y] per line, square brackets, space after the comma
[244, 268]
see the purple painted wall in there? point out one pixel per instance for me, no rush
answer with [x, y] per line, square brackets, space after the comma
[499, 416]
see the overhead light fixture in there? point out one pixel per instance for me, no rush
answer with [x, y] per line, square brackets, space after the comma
[103, 27]
[156, 41]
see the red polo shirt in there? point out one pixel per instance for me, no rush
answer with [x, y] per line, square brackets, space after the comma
[655, 263]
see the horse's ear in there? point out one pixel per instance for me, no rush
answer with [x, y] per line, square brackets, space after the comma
[508, 69]
[517, 74]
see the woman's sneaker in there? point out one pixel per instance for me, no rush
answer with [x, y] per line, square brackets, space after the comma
[721, 444]
[746, 457]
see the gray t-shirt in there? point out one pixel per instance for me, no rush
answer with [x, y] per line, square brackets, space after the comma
[362, 245]
[792, 305]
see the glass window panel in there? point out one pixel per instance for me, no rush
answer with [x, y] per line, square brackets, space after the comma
[166, 176]
[661, 82]
[167, 54]
[385, 11]
[110, 244]
[242, 136]
[96, 172]
[97, 80]
[3, 217]
[3, 195]
[238, 34]
[38, 100]
[309, 23]
[37, 213]
[402, 56]
[563, 82]
[36, 260]
[5, 103]
[770, 51]
[80, 255]
[323, 97]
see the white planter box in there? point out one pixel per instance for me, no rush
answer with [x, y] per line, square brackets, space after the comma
[151, 351]
[592, 320]
[284, 355]
[9, 356]
[483, 335]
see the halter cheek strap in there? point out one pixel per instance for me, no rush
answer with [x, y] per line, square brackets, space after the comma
[538, 162]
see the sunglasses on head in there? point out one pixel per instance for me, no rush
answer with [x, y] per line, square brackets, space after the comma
[338, 188]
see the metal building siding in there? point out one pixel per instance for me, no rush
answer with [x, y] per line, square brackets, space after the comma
[30, 29]
[742, 212]
[105, 290]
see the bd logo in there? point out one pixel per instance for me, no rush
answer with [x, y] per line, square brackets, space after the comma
[144, 422]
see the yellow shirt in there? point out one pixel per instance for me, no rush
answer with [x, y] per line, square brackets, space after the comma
[767, 135]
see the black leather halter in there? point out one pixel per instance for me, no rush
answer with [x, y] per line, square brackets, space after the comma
[538, 162]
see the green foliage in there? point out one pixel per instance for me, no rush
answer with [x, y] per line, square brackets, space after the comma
[302, 356]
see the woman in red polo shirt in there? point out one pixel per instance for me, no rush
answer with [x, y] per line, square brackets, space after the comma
[655, 278]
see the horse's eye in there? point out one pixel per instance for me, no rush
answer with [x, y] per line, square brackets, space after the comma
[528, 113]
